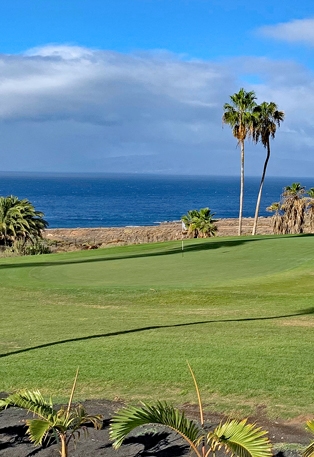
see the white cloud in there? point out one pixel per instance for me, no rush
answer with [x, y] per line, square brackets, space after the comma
[68, 108]
[296, 31]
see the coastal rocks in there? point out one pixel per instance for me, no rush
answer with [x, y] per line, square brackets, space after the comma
[93, 238]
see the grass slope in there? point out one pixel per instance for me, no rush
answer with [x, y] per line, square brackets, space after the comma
[239, 309]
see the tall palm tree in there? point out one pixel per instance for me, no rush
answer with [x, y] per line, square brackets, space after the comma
[238, 114]
[236, 437]
[19, 221]
[266, 120]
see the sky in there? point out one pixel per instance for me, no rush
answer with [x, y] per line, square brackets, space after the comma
[139, 85]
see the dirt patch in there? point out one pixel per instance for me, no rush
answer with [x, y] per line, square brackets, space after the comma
[288, 437]
[296, 323]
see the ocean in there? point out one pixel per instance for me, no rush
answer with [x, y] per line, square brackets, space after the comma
[118, 200]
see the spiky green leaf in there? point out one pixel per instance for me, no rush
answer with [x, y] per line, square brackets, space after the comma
[37, 430]
[309, 450]
[32, 401]
[240, 438]
[127, 419]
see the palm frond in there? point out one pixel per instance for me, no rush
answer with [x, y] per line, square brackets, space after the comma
[198, 393]
[37, 430]
[131, 417]
[241, 439]
[33, 401]
[309, 450]
[79, 417]
[3, 404]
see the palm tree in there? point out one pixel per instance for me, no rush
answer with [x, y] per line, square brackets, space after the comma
[266, 119]
[19, 221]
[64, 423]
[294, 205]
[236, 437]
[189, 222]
[238, 114]
[200, 223]
[310, 208]
[277, 218]
[206, 223]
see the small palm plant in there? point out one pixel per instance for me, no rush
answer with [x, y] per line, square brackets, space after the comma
[236, 437]
[64, 423]
[309, 450]
[200, 223]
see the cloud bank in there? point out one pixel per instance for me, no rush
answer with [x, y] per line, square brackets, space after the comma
[67, 108]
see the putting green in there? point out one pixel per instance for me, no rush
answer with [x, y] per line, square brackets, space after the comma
[203, 263]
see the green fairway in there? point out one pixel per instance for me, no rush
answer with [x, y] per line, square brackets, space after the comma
[239, 309]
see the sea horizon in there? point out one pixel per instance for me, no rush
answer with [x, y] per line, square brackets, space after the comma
[87, 200]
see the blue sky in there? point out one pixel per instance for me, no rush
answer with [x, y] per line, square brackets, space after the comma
[139, 85]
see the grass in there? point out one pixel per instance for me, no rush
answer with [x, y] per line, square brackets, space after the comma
[239, 309]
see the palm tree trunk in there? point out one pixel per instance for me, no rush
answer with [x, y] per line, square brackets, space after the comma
[241, 188]
[258, 202]
[64, 446]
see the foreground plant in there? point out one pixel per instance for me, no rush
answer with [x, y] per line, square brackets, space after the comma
[235, 437]
[64, 423]
[309, 450]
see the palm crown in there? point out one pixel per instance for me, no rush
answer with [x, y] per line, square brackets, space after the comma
[266, 119]
[19, 220]
[238, 113]
[200, 223]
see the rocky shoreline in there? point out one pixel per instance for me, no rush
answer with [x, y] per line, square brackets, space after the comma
[93, 238]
